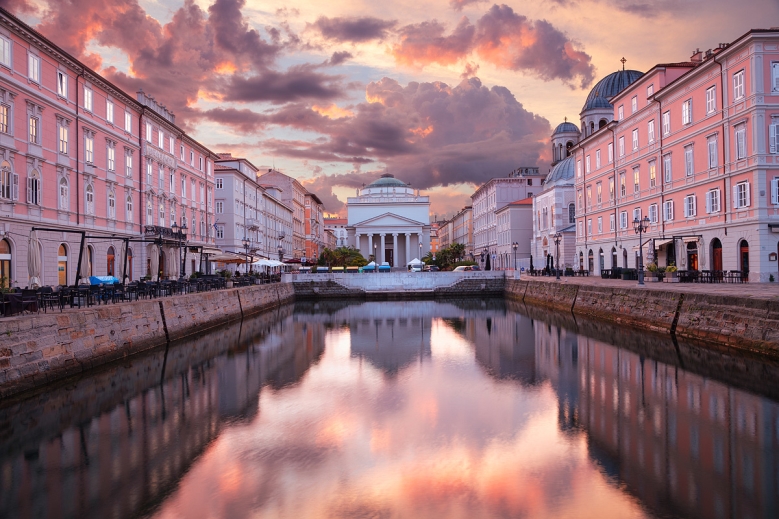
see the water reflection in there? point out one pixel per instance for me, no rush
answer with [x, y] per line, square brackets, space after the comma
[410, 409]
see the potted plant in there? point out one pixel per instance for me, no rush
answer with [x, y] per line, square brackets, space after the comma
[227, 275]
[652, 272]
[671, 274]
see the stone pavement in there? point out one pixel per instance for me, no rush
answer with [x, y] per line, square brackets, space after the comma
[769, 291]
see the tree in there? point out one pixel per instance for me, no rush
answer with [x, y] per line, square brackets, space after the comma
[342, 257]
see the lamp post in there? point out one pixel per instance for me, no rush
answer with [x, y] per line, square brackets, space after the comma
[280, 249]
[514, 246]
[557, 238]
[179, 233]
[640, 226]
[482, 253]
[375, 263]
[246, 244]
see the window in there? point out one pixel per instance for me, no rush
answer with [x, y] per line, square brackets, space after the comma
[634, 104]
[667, 168]
[711, 100]
[635, 139]
[162, 214]
[597, 159]
[579, 169]
[219, 207]
[652, 173]
[666, 123]
[128, 122]
[653, 213]
[4, 109]
[149, 214]
[128, 163]
[220, 231]
[690, 208]
[181, 156]
[192, 158]
[5, 51]
[148, 172]
[689, 164]
[89, 149]
[63, 139]
[9, 183]
[148, 132]
[128, 209]
[622, 146]
[738, 85]
[636, 180]
[620, 112]
[34, 188]
[160, 138]
[598, 192]
[713, 201]
[622, 185]
[34, 68]
[160, 177]
[650, 90]
[572, 212]
[668, 210]
[712, 147]
[587, 164]
[611, 189]
[184, 188]
[172, 143]
[600, 225]
[172, 184]
[589, 227]
[687, 112]
[111, 162]
[741, 196]
[579, 200]
[87, 98]
[612, 222]
[741, 142]
[611, 152]
[35, 130]
[773, 136]
[89, 200]
[589, 196]
[775, 76]
[64, 198]
[109, 111]
[637, 214]
[219, 183]
[775, 191]
[200, 165]
[62, 84]
[111, 205]
[650, 130]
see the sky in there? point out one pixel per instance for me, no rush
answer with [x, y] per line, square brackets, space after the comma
[443, 94]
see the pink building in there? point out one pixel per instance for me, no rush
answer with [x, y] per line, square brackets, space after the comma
[693, 147]
[78, 154]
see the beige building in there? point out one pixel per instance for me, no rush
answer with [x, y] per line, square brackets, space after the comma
[515, 226]
[462, 230]
[293, 195]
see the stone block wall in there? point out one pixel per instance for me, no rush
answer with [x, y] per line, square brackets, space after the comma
[649, 310]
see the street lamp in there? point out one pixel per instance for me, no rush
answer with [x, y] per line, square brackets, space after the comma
[375, 258]
[482, 255]
[281, 252]
[179, 233]
[557, 238]
[640, 226]
[246, 244]
[514, 246]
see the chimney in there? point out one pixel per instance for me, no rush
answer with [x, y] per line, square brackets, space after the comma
[697, 56]
[708, 55]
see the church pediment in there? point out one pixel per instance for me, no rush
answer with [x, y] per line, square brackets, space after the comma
[389, 220]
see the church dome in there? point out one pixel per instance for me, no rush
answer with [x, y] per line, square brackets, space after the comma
[387, 180]
[608, 87]
[563, 170]
[565, 127]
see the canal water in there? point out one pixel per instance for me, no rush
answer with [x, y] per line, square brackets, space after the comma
[471, 409]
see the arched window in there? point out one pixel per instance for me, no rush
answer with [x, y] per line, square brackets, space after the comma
[590, 261]
[602, 123]
[614, 258]
[743, 256]
[62, 265]
[9, 182]
[64, 197]
[5, 263]
[716, 255]
[89, 200]
[34, 188]
[183, 221]
[111, 205]
[581, 260]
[202, 229]
[568, 146]
[149, 214]
[172, 214]
[624, 258]
[162, 214]
[571, 213]
[601, 260]
[129, 208]
[592, 128]
[110, 262]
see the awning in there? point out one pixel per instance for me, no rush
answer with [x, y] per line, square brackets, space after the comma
[690, 239]
[210, 250]
[665, 241]
[635, 247]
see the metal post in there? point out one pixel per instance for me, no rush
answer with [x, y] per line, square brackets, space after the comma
[124, 266]
[80, 254]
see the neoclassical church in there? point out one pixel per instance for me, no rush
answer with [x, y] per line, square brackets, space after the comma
[554, 208]
[390, 220]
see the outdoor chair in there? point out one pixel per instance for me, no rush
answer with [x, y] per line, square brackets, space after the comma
[30, 300]
[48, 298]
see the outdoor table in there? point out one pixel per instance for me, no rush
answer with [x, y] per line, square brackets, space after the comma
[12, 304]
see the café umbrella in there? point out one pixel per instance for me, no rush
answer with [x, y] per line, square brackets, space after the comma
[34, 260]
[154, 260]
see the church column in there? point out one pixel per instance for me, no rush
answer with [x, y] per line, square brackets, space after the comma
[381, 244]
[394, 249]
[408, 247]
[370, 244]
[357, 242]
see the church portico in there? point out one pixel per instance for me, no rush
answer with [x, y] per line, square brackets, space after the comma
[396, 247]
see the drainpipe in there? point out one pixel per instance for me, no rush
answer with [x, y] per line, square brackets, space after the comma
[141, 166]
[78, 149]
[725, 147]
[662, 180]
[616, 205]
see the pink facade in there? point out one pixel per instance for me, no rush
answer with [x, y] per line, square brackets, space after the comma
[693, 148]
[74, 156]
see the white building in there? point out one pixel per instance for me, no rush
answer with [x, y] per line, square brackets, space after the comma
[293, 195]
[278, 230]
[389, 219]
[493, 195]
[338, 227]
[515, 225]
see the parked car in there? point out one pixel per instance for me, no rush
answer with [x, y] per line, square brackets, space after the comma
[431, 268]
[463, 268]
[475, 267]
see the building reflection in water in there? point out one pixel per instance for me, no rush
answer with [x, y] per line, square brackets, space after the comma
[416, 409]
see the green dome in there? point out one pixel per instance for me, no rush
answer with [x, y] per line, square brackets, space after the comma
[387, 180]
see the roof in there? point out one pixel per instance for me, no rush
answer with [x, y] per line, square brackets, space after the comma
[563, 170]
[316, 198]
[608, 87]
[565, 127]
[387, 180]
[336, 221]
[524, 201]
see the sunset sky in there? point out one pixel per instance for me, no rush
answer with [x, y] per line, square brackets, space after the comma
[444, 94]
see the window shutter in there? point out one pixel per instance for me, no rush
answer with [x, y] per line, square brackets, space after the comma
[29, 190]
[38, 191]
[708, 201]
[775, 191]
[772, 138]
[735, 197]
[747, 187]
[695, 206]
[15, 194]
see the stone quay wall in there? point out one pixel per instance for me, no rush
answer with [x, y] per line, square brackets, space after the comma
[45, 347]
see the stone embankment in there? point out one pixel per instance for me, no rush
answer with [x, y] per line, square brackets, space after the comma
[725, 319]
[41, 348]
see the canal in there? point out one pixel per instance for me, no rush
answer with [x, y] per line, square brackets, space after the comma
[417, 409]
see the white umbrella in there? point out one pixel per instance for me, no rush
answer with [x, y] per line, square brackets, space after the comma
[414, 261]
[85, 261]
[173, 264]
[154, 257]
[119, 260]
[34, 260]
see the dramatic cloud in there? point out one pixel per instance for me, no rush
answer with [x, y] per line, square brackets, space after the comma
[458, 5]
[354, 29]
[298, 82]
[505, 39]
